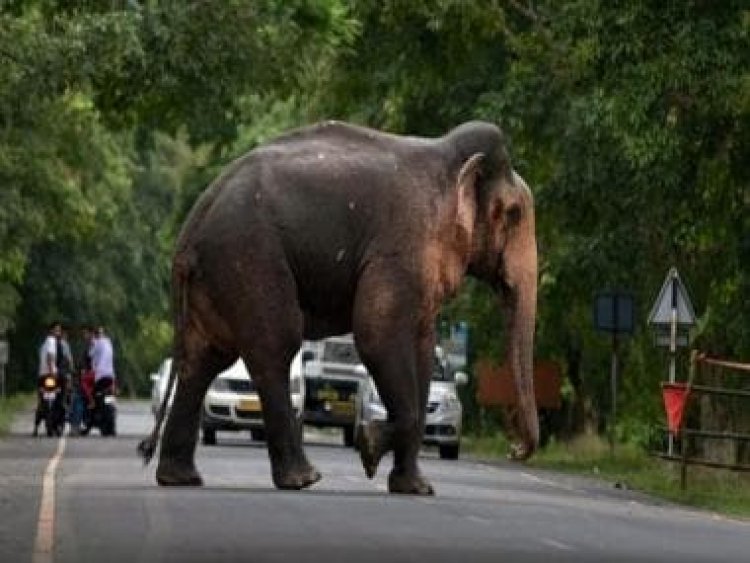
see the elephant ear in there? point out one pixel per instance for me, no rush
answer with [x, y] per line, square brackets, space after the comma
[466, 185]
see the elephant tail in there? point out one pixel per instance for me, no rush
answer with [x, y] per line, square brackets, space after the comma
[180, 276]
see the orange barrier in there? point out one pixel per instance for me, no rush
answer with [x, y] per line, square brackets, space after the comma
[675, 397]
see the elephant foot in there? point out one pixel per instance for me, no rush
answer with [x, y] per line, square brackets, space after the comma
[373, 442]
[296, 479]
[173, 474]
[409, 484]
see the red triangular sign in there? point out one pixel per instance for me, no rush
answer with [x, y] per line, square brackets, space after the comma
[675, 396]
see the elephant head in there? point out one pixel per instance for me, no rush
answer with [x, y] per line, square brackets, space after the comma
[495, 211]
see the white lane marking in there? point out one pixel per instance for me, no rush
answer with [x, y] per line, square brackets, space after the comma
[45, 530]
[556, 544]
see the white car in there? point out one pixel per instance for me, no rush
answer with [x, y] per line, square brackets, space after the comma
[444, 418]
[159, 382]
[232, 402]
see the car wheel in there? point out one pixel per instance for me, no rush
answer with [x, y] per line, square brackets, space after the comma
[258, 434]
[449, 451]
[349, 436]
[209, 436]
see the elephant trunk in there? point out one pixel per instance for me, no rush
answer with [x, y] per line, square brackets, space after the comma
[520, 305]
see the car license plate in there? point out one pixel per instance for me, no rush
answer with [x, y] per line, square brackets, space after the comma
[49, 395]
[110, 400]
[252, 405]
[327, 394]
[342, 407]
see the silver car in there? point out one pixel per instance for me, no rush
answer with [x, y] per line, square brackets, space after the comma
[444, 418]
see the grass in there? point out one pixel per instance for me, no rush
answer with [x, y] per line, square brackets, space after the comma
[9, 406]
[722, 491]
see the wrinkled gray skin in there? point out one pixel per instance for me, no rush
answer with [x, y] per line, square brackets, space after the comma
[336, 228]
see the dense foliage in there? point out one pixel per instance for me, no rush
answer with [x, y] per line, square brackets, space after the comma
[108, 111]
[630, 120]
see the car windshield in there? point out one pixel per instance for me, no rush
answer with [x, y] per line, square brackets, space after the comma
[341, 353]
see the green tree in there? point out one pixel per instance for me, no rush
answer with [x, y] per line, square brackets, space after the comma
[87, 215]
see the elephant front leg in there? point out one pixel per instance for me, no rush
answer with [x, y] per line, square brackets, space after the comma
[395, 373]
[389, 332]
[374, 440]
[406, 477]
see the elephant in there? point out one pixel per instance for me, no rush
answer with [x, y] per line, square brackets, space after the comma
[335, 228]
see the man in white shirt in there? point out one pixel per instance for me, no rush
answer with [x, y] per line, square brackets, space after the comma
[47, 365]
[102, 360]
[48, 351]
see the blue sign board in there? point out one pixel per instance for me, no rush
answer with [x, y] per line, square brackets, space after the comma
[614, 311]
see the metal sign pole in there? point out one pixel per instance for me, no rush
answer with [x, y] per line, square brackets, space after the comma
[672, 315]
[613, 383]
[3, 353]
[614, 313]
[673, 352]
[3, 360]
[673, 334]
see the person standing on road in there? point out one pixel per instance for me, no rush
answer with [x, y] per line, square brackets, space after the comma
[102, 360]
[64, 362]
[64, 355]
[87, 332]
[47, 366]
[85, 404]
[48, 351]
[80, 396]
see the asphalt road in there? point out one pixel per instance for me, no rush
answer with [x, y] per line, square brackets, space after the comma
[107, 508]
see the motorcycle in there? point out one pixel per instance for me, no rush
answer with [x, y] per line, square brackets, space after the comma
[103, 415]
[50, 408]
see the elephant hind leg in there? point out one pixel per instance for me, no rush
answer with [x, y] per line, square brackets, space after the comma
[290, 468]
[268, 354]
[177, 456]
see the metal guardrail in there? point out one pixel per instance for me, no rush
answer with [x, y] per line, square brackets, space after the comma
[685, 434]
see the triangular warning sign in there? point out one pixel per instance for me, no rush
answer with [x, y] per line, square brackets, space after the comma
[675, 397]
[673, 295]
